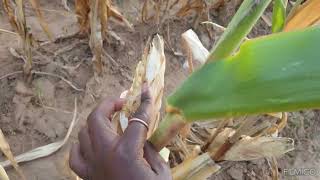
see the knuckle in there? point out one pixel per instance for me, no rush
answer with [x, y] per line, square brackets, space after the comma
[143, 115]
[93, 117]
[146, 98]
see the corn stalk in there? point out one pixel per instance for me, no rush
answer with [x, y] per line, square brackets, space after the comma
[93, 17]
[17, 19]
[97, 23]
[25, 38]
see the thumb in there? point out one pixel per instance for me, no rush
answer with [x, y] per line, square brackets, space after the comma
[135, 135]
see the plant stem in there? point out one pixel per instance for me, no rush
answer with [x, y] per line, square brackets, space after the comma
[168, 128]
[199, 167]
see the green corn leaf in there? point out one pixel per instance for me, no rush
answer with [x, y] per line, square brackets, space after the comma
[279, 15]
[239, 27]
[280, 72]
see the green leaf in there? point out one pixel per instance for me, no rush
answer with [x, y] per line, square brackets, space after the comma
[239, 27]
[279, 15]
[280, 72]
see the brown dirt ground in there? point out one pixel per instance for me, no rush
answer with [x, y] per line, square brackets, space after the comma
[43, 117]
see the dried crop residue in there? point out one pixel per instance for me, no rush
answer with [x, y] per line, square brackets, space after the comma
[30, 120]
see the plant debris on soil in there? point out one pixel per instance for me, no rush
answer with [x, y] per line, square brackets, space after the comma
[41, 114]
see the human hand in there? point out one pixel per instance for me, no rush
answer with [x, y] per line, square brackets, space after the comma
[102, 154]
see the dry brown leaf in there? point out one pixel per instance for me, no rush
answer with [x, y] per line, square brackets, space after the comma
[255, 148]
[194, 5]
[3, 174]
[113, 12]
[199, 167]
[93, 16]
[82, 11]
[7, 4]
[105, 10]
[35, 5]
[18, 22]
[96, 40]
[306, 15]
[26, 38]
[5, 148]
[220, 139]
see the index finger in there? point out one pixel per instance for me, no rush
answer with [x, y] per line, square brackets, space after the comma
[99, 124]
[109, 106]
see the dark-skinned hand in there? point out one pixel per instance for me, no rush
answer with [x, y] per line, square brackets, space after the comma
[104, 155]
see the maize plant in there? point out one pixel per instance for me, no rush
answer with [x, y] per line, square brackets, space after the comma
[17, 19]
[93, 16]
[275, 73]
[152, 9]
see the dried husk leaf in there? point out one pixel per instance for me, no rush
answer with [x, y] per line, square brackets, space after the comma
[306, 15]
[35, 5]
[93, 16]
[249, 148]
[5, 148]
[164, 153]
[96, 40]
[3, 174]
[220, 139]
[133, 95]
[113, 12]
[199, 167]
[105, 10]
[194, 5]
[25, 36]
[192, 43]
[7, 4]
[150, 69]
[156, 65]
[82, 11]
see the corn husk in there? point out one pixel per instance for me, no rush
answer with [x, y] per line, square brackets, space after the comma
[150, 69]
[3, 174]
[5, 148]
[199, 167]
[250, 148]
[220, 139]
[192, 44]
[304, 15]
